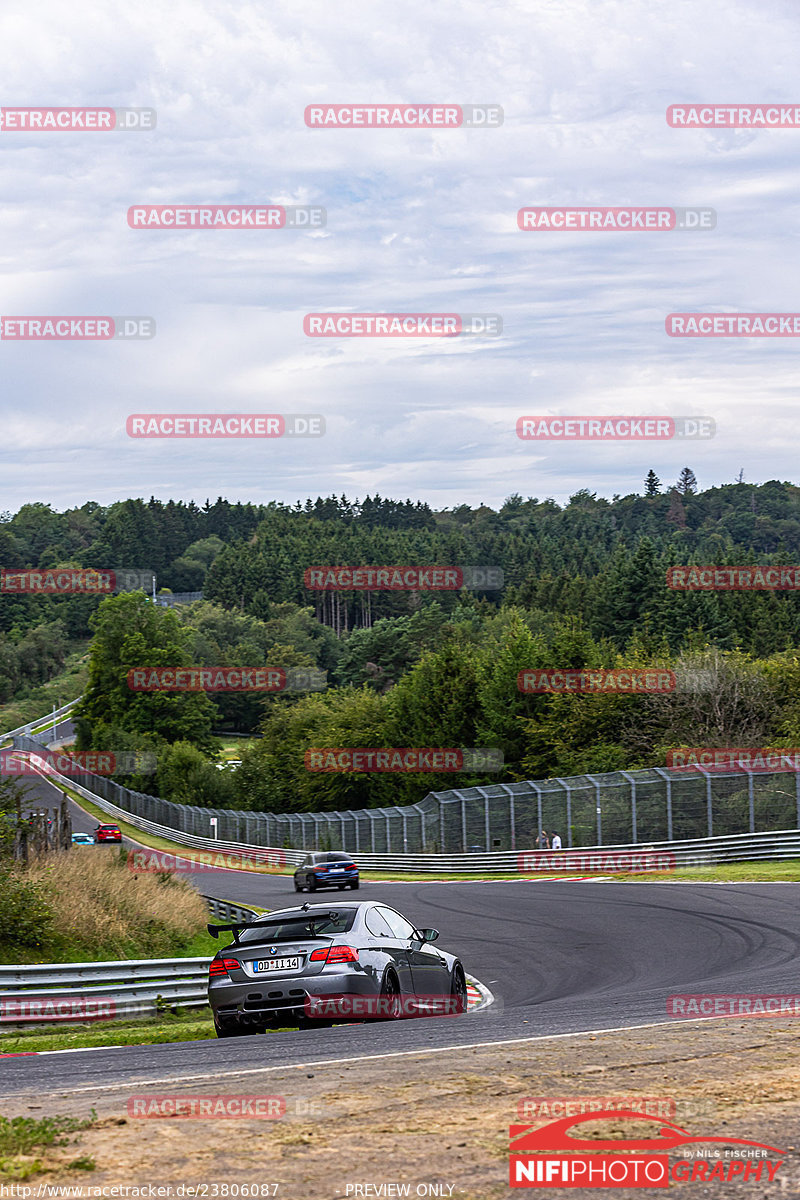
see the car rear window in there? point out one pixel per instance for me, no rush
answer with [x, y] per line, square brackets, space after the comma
[292, 929]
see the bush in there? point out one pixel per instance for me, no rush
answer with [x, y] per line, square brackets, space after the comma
[26, 916]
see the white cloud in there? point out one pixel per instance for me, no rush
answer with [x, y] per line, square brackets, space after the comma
[417, 221]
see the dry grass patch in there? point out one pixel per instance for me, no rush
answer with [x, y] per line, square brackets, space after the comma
[97, 907]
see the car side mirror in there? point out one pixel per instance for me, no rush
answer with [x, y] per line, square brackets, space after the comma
[428, 935]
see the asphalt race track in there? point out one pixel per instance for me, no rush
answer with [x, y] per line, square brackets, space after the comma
[559, 958]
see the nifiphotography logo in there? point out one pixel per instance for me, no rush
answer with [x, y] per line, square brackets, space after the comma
[549, 1156]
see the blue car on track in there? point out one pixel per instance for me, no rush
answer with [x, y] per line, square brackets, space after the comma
[326, 868]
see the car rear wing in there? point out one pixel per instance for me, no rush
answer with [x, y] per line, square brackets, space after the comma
[237, 926]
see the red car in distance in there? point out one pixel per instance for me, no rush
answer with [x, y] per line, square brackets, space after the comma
[108, 833]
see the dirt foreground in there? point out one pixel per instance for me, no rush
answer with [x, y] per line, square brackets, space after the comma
[438, 1123]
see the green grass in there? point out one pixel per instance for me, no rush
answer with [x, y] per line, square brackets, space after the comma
[20, 1136]
[185, 1026]
[232, 747]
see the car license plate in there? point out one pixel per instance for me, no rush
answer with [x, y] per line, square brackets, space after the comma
[337, 870]
[276, 964]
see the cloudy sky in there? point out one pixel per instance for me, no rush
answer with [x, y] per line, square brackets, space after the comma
[417, 221]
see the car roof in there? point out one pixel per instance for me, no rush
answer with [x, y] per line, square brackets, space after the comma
[314, 909]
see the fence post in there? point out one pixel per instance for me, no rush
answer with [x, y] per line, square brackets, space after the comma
[632, 781]
[512, 816]
[598, 809]
[751, 801]
[568, 790]
[709, 803]
[421, 812]
[660, 771]
[463, 822]
[797, 794]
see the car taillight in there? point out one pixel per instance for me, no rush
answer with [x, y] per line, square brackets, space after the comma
[221, 966]
[319, 870]
[335, 954]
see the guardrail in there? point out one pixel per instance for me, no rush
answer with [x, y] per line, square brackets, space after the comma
[105, 991]
[33, 726]
[226, 911]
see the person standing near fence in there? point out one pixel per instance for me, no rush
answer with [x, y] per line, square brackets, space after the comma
[556, 844]
[543, 841]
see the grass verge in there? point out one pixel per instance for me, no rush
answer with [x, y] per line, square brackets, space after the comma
[21, 1136]
[183, 1026]
[86, 905]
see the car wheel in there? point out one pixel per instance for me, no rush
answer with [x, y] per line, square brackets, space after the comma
[231, 1029]
[312, 885]
[354, 885]
[391, 1005]
[297, 887]
[458, 990]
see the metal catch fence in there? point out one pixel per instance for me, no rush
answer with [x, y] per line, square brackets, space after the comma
[655, 805]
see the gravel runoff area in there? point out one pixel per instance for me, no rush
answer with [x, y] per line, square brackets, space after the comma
[437, 1123]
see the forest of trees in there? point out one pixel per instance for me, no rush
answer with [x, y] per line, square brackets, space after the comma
[585, 585]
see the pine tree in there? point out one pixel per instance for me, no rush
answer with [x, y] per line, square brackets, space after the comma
[676, 513]
[687, 482]
[652, 484]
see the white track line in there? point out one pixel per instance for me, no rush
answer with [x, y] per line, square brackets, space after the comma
[231, 1071]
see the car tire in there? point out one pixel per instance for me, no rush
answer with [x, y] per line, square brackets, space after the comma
[390, 997]
[354, 886]
[458, 990]
[231, 1029]
[312, 885]
[297, 887]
